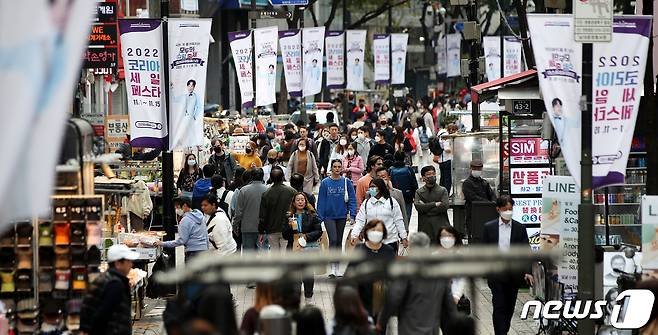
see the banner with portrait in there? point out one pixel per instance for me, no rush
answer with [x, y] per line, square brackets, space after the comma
[335, 45]
[356, 51]
[512, 55]
[265, 46]
[189, 40]
[454, 54]
[399, 57]
[491, 45]
[313, 55]
[380, 51]
[290, 42]
[240, 42]
[442, 56]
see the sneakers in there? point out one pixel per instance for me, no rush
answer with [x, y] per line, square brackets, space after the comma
[251, 286]
[333, 270]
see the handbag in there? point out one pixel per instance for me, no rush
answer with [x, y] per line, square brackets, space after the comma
[347, 195]
[464, 305]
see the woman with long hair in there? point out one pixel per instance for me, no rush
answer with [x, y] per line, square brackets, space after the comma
[450, 240]
[303, 161]
[307, 229]
[263, 298]
[350, 316]
[188, 175]
[422, 136]
[339, 152]
[398, 138]
[352, 163]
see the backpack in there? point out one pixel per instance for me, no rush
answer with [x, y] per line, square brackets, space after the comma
[409, 144]
[223, 204]
[424, 139]
[404, 180]
[435, 145]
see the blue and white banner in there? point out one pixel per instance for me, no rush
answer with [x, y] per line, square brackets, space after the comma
[380, 51]
[141, 48]
[399, 53]
[335, 45]
[290, 42]
[356, 51]
[454, 54]
[265, 46]
[189, 40]
[313, 40]
[491, 46]
[241, 45]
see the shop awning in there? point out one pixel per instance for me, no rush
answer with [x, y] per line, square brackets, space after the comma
[495, 85]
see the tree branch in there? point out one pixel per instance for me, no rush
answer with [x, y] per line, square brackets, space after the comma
[332, 14]
[373, 14]
[315, 18]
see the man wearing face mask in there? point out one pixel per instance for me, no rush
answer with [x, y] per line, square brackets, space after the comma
[382, 173]
[327, 146]
[272, 161]
[222, 160]
[503, 233]
[382, 148]
[383, 125]
[431, 202]
[362, 142]
[475, 188]
[192, 232]
[361, 107]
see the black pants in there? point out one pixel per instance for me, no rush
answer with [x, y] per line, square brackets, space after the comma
[191, 254]
[503, 299]
[445, 179]
[308, 286]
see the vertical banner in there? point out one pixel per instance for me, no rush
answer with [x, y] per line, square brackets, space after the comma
[189, 41]
[618, 74]
[313, 40]
[380, 48]
[442, 56]
[559, 225]
[356, 51]
[141, 48]
[454, 54]
[399, 54]
[559, 64]
[512, 55]
[240, 42]
[291, 54]
[335, 44]
[491, 47]
[265, 45]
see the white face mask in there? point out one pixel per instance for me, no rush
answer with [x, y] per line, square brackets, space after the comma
[353, 137]
[377, 138]
[179, 212]
[191, 162]
[447, 242]
[476, 173]
[302, 148]
[350, 152]
[506, 215]
[343, 142]
[375, 236]
[361, 136]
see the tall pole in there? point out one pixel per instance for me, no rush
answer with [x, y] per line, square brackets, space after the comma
[253, 57]
[648, 111]
[502, 43]
[168, 215]
[389, 30]
[346, 113]
[473, 64]
[303, 115]
[586, 208]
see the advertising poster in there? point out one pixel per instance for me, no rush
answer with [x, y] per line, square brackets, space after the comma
[559, 62]
[512, 55]
[380, 49]
[240, 42]
[454, 54]
[141, 48]
[650, 232]
[491, 45]
[399, 53]
[335, 45]
[619, 261]
[559, 225]
[527, 210]
[265, 45]
[313, 39]
[116, 129]
[533, 238]
[238, 143]
[442, 56]
[618, 73]
[188, 63]
[528, 180]
[528, 151]
[356, 51]
[290, 42]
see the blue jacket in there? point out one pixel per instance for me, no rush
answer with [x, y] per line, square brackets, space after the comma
[331, 199]
[191, 233]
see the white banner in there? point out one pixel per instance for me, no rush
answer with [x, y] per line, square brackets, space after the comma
[559, 225]
[265, 45]
[559, 62]
[141, 48]
[399, 53]
[356, 51]
[618, 73]
[313, 39]
[189, 40]
[380, 50]
[335, 44]
[240, 42]
[491, 45]
[442, 56]
[291, 54]
[512, 55]
[454, 54]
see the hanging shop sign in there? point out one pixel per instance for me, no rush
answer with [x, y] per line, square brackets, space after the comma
[265, 46]
[380, 48]
[105, 12]
[335, 44]
[527, 210]
[356, 46]
[103, 35]
[313, 56]
[290, 42]
[593, 21]
[528, 151]
[241, 46]
[116, 129]
[399, 58]
[528, 180]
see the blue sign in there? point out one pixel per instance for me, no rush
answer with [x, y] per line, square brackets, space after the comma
[289, 2]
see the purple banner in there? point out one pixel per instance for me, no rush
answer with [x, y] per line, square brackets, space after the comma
[137, 25]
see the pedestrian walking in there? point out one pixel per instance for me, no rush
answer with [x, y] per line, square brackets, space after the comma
[503, 233]
[192, 232]
[187, 176]
[352, 163]
[202, 186]
[336, 202]
[247, 209]
[307, 229]
[381, 148]
[403, 178]
[363, 142]
[222, 194]
[442, 151]
[338, 153]
[363, 184]
[422, 134]
[302, 161]
[350, 316]
[432, 205]
[250, 158]
[450, 240]
[272, 161]
[220, 230]
[382, 173]
[250, 319]
[327, 146]
[475, 188]
[274, 205]
[309, 320]
[222, 160]
[297, 182]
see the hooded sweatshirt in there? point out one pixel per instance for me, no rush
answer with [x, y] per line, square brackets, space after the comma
[191, 233]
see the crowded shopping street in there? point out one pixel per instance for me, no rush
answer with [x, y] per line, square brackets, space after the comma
[328, 167]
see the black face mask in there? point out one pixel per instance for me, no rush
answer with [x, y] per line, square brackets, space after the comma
[248, 151]
[218, 150]
[271, 160]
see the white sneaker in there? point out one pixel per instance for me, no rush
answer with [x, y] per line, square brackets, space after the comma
[332, 271]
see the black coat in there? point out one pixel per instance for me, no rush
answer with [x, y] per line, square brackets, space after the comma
[107, 306]
[518, 237]
[311, 227]
[476, 189]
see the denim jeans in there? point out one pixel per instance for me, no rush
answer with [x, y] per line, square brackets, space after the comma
[445, 179]
[335, 230]
[249, 241]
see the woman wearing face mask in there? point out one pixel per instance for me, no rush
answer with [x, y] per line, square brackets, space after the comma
[375, 234]
[449, 240]
[307, 229]
[188, 175]
[303, 161]
[380, 205]
[339, 153]
[249, 159]
[352, 163]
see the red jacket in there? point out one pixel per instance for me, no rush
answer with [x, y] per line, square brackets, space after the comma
[357, 109]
